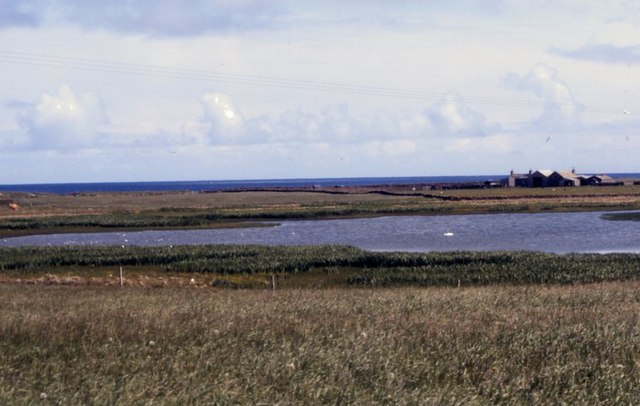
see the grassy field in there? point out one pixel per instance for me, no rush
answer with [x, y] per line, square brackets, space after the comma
[47, 213]
[577, 344]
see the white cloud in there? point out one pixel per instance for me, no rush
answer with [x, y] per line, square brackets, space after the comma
[491, 145]
[224, 124]
[63, 120]
[561, 110]
[451, 116]
[334, 124]
[414, 125]
[604, 53]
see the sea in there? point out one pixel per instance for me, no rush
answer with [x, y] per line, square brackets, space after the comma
[219, 185]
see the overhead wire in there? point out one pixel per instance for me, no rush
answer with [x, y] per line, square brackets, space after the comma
[97, 65]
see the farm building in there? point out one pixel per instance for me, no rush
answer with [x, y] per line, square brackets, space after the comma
[563, 178]
[549, 178]
[517, 180]
[597, 180]
[539, 178]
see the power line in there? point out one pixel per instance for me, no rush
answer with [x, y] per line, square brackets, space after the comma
[96, 65]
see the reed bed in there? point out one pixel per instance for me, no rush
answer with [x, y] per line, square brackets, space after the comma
[576, 344]
[329, 263]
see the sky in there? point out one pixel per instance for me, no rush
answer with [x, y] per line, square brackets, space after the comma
[162, 90]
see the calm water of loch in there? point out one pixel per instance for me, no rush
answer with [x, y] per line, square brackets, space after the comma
[548, 232]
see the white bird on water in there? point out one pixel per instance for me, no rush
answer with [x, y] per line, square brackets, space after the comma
[448, 234]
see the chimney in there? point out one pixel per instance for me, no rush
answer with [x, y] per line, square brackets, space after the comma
[573, 170]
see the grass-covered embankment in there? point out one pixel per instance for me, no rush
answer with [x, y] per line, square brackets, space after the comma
[574, 344]
[252, 266]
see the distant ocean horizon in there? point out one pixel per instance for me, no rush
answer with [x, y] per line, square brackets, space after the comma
[218, 185]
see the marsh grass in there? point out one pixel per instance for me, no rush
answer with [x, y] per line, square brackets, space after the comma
[535, 344]
[329, 265]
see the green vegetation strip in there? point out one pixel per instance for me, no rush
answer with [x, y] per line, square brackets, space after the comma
[634, 216]
[364, 268]
[189, 218]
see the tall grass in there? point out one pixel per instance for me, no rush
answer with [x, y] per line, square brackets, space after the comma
[364, 268]
[515, 345]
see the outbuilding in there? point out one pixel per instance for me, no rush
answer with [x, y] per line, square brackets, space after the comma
[539, 178]
[598, 180]
[563, 178]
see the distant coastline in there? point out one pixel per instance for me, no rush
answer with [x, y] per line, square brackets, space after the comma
[221, 185]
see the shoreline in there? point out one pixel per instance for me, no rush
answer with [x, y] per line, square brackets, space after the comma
[138, 211]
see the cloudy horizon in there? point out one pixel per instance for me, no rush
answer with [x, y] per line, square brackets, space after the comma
[254, 89]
